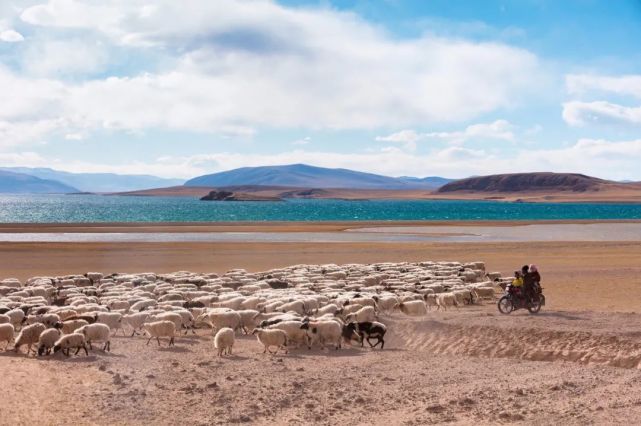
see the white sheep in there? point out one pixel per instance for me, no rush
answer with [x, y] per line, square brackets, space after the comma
[444, 300]
[366, 313]
[297, 306]
[29, 335]
[386, 303]
[48, 320]
[5, 319]
[324, 332]
[218, 319]
[294, 332]
[71, 341]
[6, 334]
[160, 329]
[97, 332]
[17, 316]
[430, 300]
[483, 292]
[47, 341]
[188, 322]
[271, 338]
[224, 341]
[71, 326]
[111, 319]
[350, 309]
[327, 309]
[135, 321]
[169, 316]
[248, 320]
[413, 307]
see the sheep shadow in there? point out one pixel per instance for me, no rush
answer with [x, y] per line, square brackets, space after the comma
[177, 349]
[345, 352]
[14, 354]
[77, 358]
[106, 354]
[189, 342]
[233, 357]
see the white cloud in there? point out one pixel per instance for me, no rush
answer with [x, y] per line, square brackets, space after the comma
[11, 36]
[621, 85]
[63, 58]
[304, 141]
[403, 136]
[497, 130]
[616, 160]
[577, 113]
[247, 64]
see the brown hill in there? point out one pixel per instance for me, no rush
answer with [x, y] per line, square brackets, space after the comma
[236, 196]
[527, 182]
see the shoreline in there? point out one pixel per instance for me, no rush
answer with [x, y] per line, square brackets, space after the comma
[275, 226]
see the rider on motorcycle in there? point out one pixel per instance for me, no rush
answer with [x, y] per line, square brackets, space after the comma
[531, 281]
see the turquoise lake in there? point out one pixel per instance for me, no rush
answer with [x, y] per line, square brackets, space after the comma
[97, 208]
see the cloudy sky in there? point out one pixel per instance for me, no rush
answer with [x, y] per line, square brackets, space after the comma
[183, 88]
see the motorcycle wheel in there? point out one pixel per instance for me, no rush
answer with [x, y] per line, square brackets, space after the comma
[505, 305]
[535, 306]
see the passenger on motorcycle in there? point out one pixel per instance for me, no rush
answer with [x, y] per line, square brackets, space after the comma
[517, 284]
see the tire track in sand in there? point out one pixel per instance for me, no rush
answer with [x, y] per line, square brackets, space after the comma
[532, 344]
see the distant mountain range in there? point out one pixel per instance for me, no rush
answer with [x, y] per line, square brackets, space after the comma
[305, 176]
[20, 183]
[97, 182]
[305, 181]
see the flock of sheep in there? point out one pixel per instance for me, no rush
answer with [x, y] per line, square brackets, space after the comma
[297, 306]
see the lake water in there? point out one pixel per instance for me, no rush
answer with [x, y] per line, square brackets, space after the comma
[97, 208]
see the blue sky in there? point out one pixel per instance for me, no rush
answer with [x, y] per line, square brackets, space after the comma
[179, 89]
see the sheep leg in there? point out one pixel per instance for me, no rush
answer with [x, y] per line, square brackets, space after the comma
[171, 342]
[133, 332]
[149, 340]
[158, 340]
[77, 350]
[86, 351]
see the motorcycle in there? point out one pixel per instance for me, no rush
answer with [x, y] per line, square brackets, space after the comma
[514, 299]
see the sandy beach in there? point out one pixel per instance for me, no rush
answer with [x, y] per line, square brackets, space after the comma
[472, 366]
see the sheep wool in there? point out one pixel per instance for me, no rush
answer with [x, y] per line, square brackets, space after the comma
[224, 341]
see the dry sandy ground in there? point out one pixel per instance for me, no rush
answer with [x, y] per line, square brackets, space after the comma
[472, 366]
[575, 363]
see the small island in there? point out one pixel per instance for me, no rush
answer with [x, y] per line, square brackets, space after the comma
[236, 196]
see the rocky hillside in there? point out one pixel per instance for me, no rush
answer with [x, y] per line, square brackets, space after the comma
[526, 182]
